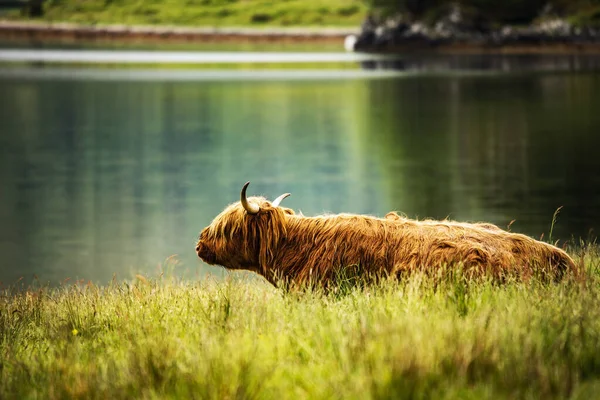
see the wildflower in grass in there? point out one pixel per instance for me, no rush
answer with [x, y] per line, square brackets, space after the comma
[75, 332]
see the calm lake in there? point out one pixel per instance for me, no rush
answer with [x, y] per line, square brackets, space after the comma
[112, 171]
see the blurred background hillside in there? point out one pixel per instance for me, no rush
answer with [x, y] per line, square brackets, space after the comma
[307, 12]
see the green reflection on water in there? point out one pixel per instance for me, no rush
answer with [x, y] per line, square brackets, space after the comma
[114, 177]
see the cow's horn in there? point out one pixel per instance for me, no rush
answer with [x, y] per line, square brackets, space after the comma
[251, 208]
[278, 200]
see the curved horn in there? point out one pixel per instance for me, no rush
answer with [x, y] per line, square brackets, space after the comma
[278, 200]
[251, 208]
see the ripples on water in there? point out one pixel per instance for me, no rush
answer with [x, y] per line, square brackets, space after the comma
[113, 170]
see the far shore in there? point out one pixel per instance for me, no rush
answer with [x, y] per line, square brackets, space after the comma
[44, 32]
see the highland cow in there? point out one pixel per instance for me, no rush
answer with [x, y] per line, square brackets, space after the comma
[275, 242]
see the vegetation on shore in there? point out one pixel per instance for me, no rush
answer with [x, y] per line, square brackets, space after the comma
[491, 14]
[418, 338]
[308, 12]
[208, 12]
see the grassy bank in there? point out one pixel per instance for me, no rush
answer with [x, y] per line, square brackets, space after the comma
[207, 12]
[349, 13]
[234, 339]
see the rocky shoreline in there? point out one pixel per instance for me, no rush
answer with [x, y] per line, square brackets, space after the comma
[394, 35]
[454, 32]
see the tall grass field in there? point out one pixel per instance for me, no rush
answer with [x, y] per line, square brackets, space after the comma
[420, 338]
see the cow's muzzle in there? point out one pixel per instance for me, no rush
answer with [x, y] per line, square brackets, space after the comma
[205, 254]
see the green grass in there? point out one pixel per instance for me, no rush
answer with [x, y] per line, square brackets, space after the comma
[168, 338]
[270, 13]
[208, 12]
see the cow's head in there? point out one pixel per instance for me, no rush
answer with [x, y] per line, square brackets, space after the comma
[246, 234]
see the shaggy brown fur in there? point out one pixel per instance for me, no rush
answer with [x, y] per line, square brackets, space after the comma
[281, 245]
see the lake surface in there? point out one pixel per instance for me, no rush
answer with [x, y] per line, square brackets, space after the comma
[103, 175]
[178, 57]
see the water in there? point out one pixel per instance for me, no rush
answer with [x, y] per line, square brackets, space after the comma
[104, 176]
[179, 57]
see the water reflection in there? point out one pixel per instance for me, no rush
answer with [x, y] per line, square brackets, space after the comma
[485, 63]
[103, 177]
[179, 57]
[513, 147]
